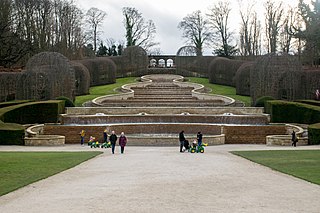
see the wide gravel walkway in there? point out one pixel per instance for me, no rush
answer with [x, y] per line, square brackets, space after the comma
[160, 179]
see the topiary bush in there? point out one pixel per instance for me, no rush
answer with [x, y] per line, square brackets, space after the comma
[67, 103]
[223, 70]
[11, 134]
[35, 112]
[260, 102]
[292, 112]
[314, 134]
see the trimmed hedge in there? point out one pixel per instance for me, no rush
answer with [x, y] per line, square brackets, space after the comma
[292, 112]
[67, 101]
[261, 102]
[35, 112]
[11, 134]
[12, 103]
[314, 134]
[310, 102]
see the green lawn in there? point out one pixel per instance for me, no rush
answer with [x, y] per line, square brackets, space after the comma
[18, 169]
[222, 90]
[103, 90]
[304, 164]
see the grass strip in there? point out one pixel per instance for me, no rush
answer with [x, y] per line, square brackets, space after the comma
[222, 90]
[18, 169]
[98, 91]
[304, 164]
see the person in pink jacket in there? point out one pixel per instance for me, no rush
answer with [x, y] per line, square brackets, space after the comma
[122, 141]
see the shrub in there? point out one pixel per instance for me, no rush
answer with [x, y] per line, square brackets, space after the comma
[314, 134]
[292, 112]
[260, 102]
[67, 103]
[11, 134]
[35, 112]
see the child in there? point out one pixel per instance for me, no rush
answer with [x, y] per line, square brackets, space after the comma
[82, 134]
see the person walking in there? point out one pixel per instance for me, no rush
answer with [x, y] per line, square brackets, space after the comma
[122, 141]
[82, 134]
[294, 139]
[181, 139]
[113, 139]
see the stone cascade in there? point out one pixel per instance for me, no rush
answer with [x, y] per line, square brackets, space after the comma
[154, 111]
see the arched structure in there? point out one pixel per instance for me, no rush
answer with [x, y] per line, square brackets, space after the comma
[82, 77]
[102, 70]
[48, 75]
[242, 79]
[276, 75]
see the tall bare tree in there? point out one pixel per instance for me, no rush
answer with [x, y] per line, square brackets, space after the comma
[218, 18]
[196, 30]
[273, 16]
[94, 18]
[250, 37]
[138, 31]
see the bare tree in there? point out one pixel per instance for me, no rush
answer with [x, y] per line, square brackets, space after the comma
[218, 17]
[195, 29]
[273, 16]
[138, 32]
[94, 19]
[250, 37]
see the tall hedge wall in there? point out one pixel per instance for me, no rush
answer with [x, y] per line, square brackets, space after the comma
[193, 65]
[11, 134]
[292, 112]
[35, 112]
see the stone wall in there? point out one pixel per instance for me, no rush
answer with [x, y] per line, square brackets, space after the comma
[234, 134]
[45, 140]
[72, 132]
[251, 134]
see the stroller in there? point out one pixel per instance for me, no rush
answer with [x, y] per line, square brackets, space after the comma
[186, 146]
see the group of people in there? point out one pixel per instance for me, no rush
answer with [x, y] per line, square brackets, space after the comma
[112, 138]
[185, 143]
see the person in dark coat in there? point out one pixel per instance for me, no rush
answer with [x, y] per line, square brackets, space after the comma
[122, 141]
[181, 139]
[294, 139]
[199, 138]
[113, 139]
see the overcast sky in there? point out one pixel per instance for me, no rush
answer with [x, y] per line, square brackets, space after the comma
[166, 14]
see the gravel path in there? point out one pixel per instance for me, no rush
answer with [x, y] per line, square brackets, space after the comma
[160, 179]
